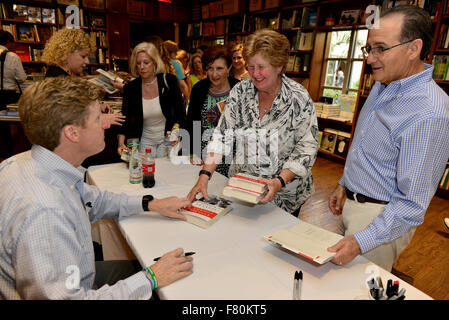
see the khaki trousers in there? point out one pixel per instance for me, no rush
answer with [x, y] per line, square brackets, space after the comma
[357, 216]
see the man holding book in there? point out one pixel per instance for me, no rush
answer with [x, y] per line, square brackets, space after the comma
[400, 145]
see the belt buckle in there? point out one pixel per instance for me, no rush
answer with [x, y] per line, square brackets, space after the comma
[359, 198]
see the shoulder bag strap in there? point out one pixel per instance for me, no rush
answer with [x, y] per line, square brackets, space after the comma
[2, 60]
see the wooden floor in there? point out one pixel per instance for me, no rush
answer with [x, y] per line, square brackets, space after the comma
[424, 263]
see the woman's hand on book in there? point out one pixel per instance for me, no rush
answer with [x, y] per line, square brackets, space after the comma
[274, 185]
[199, 187]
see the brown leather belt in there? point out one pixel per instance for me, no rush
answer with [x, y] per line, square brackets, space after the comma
[361, 198]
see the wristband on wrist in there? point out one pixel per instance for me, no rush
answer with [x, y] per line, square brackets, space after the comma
[207, 173]
[281, 180]
[149, 274]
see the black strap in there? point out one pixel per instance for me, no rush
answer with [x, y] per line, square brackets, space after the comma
[2, 60]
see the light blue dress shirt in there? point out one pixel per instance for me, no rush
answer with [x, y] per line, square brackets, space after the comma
[46, 211]
[398, 154]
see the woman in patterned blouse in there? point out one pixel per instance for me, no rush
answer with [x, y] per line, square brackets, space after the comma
[270, 120]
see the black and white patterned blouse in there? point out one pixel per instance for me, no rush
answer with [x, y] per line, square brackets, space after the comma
[285, 138]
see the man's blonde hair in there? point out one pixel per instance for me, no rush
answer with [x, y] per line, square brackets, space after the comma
[152, 51]
[47, 106]
[272, 45]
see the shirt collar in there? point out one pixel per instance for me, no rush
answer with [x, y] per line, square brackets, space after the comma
[56, 164]
[413, 80]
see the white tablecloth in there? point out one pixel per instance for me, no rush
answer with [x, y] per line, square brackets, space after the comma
[232, 259]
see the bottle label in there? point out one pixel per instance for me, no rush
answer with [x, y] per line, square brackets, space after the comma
[148, 168]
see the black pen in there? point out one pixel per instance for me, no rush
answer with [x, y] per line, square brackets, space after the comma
[297, 285]
[185, 255]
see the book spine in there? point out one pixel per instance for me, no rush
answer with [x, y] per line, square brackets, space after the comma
[249, 179]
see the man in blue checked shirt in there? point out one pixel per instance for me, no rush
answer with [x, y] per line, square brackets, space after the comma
[400, 145]
[46, 209]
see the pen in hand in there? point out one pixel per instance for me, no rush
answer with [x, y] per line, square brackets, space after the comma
[185, 254]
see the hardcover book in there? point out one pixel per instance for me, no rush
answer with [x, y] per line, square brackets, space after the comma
[307, 240]
[203, 213]
[246, 187]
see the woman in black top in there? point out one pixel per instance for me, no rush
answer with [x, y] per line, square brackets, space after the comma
[152, 103]
[208, 98]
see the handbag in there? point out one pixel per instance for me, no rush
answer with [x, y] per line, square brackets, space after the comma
[7, 96]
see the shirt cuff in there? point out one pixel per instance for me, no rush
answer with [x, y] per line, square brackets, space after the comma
[366, 240]
[139, 287]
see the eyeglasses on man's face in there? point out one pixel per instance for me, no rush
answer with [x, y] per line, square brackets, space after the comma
[378, 51]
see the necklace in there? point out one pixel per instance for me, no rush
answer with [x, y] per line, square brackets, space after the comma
[150, 83]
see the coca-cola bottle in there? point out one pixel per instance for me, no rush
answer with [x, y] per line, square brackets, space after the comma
[148, 168]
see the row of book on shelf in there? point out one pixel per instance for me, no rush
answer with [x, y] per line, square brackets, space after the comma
[440, 66]
[298, 63]
[444, 184]
[48, 15]
[367, 83]
[299, 18]
[29, 32]
[248, 23]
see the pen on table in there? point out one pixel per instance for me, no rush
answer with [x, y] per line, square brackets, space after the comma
[183, 255]
[297, 285]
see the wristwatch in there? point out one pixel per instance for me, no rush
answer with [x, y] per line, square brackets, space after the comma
[145, 200]
[207, 173]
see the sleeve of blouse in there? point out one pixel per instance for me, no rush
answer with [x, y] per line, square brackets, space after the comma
[304, 154]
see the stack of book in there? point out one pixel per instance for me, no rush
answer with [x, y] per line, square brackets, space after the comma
[330, 110]
[246, 187]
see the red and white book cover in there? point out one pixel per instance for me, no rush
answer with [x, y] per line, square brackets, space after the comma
[204, 213]
[246, 187]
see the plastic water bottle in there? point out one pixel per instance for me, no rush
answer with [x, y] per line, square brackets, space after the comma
[167, 143]
[135, 165]
[148, 168]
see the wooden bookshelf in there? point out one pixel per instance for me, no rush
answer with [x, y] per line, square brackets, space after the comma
[15, 20]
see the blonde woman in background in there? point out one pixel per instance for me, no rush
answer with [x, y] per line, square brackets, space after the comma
[238, 63]
[196, 66]
[67, 54]
[152, 103]
[184, 82]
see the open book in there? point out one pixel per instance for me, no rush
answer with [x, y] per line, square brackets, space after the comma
[103, 79]
[204, 213]
[306, 240]
[245, 187]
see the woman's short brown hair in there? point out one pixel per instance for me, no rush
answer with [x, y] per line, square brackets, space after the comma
[47, 106]
[215, 52]
[272, 45]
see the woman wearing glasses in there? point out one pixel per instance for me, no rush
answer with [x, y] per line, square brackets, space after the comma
[207, 101]
[273, 126]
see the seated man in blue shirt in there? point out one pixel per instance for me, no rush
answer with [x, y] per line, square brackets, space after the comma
[46, 209]
[400, 145]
